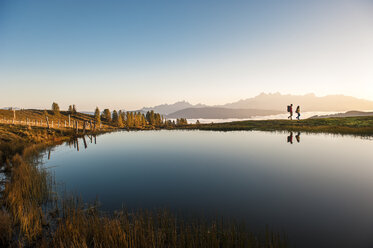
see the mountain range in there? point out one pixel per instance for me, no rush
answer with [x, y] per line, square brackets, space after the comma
[221, 113]
[263, 104]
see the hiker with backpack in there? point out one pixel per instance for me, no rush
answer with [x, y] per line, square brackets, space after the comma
[290, 110]
[298, 112]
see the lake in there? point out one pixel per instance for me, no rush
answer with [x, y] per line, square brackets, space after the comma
[316, 188]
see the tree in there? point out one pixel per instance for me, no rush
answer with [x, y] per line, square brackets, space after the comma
[97, 116]
[106, 115]
[74, 109]
[120, 119]
[150, 117]
[181, 121]
[70, 109]
[197, 122]
[122, 116]
[55, 108]
[115, 117]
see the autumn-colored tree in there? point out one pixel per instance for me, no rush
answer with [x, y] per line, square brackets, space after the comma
[115, 117]
[181, 121]
[74, 109]
[150, 117]
[119, 122]
[122, 115]
[97, 116]
[106, 115]
[55, 108]
[129, 119]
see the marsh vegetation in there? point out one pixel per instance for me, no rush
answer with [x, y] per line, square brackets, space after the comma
[345, 125]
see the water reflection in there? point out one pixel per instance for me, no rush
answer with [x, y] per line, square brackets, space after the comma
[75, 142]
[290, 138]
[322, 188]
[297, 137]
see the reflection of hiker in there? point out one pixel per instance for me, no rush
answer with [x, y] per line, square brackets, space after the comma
[290, 138]
[290, 110]
[298, 112]
[297, 137]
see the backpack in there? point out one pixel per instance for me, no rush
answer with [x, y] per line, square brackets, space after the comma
[289, 108]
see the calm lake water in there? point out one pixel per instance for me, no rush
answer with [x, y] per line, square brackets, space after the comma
[319, 191]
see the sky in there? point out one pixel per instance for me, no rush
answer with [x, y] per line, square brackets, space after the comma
[130, 54]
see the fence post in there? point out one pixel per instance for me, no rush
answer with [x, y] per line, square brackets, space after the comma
[69, 121]
[47, 121]
[84, 124]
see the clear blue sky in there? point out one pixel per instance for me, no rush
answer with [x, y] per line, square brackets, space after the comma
[129, 54]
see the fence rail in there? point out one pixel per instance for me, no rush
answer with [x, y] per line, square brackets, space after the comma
[60, 124]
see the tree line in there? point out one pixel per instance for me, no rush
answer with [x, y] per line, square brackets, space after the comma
[127, 119]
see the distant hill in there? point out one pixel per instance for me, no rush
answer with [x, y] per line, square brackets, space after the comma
[220, 113]
[166, 109]
[308, 102]
[347, 114]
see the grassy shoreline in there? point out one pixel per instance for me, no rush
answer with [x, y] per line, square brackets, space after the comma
[68, 222]
[362, 126]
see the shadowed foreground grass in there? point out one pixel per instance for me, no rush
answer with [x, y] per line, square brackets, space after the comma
[32, 215]
[80, 228]
[344, 125]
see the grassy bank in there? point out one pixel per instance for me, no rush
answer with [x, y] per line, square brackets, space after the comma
[31, 215]
[347, 125]
[29, 116]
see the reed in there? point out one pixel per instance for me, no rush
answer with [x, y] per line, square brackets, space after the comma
[5, 229]
[81, 228]
[25, 193]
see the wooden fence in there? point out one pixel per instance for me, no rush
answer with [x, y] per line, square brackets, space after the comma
[56, 124]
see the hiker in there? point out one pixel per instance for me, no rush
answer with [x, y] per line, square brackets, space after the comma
[290, 138]
[298, 112]
[290, 110]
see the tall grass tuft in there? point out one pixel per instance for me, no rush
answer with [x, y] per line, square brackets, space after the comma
[5, 229]
[24, 195]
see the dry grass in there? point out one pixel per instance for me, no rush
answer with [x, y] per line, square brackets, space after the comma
[80, 228]
[39, 115]
[25, 193]
[362, 126]
[5, 229]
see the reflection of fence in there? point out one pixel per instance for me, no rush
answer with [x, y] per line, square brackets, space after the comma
[74, 124]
